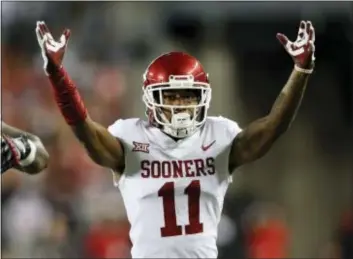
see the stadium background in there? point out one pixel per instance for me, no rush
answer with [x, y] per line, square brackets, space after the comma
[296, 202]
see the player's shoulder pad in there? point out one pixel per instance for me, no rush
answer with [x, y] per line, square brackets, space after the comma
[225, 125]
[122, 127]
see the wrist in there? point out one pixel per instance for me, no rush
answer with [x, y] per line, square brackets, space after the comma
[303, 70]
[55, 72]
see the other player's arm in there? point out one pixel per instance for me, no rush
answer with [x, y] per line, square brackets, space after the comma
[258, 137]
[22, 150]
[102, 147]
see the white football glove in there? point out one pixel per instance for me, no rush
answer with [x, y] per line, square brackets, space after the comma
[52, 51]
[302, 50]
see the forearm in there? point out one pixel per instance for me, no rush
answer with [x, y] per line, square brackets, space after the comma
[71, 106]
[93, 136]
[287, 103]
[67, 97]
[256, 139]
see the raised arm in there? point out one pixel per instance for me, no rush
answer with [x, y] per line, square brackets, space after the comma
[258, 137]
[102, 147]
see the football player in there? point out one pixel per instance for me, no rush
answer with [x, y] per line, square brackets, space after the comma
[173, 170]
[22, 151]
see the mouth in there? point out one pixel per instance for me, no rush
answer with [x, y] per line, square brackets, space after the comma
[177, 110]
[168, 112]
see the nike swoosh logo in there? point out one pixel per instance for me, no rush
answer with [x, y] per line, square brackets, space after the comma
[205, 148]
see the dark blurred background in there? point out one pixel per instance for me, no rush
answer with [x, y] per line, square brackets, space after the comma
[294, 203]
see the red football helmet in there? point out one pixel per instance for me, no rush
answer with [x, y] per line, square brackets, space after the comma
[176, 70]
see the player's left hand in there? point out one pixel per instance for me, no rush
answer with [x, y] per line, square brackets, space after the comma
[52, 51]
[14, 151]
[302, 50]
[10, 155]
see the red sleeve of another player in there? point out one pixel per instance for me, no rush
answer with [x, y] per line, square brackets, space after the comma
[270, 241]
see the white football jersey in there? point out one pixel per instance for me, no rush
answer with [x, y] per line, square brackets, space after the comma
[174, 190]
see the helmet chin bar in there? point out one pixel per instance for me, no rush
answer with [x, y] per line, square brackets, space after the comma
[181, 124]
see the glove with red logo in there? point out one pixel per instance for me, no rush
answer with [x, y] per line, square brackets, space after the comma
[52, 51]
[16, 151]
[302, 50]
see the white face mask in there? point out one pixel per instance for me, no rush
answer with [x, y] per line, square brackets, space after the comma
[181, 124]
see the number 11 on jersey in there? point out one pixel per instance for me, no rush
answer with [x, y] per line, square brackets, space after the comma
[167, 193]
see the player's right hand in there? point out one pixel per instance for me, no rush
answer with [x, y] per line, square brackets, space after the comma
[52, 51]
